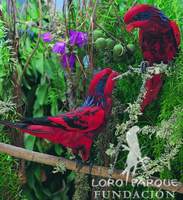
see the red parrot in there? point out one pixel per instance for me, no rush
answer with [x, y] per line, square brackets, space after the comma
[159, 38]
[78, 128]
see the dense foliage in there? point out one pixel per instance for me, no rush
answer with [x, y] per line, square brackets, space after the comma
[48, 89]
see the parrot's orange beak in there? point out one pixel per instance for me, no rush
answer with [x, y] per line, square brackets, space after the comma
[130, 27]
[114, 74]
[136, 24]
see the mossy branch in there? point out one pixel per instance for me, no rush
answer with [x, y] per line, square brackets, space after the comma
[71, 165]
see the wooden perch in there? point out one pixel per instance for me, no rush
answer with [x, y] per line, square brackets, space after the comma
[71, 165]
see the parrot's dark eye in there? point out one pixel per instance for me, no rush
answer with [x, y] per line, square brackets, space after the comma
[142, 16]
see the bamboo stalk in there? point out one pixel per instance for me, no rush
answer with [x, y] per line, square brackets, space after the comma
[71, 165]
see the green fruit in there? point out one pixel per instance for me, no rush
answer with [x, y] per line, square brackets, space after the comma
[100, 43]
[97, 34]
[131, 47]
[118, 50]
[110, 43]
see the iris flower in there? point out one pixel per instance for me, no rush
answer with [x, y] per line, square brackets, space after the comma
[47, 37]
[59, 47]
[68, 60]
[78, 38]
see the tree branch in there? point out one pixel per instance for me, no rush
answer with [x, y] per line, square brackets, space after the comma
[71, 165]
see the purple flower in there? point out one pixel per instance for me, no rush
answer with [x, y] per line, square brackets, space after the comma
[68, 60]
[47, 37]
[78, 38]
[59, 47]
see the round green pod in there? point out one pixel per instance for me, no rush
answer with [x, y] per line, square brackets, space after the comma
[97, 34]
[118, 50]
[131, 47]
[100, 43]
[110, 43]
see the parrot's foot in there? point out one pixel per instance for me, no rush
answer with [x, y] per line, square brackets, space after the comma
[79, 164]
[90, 164]
[143, 66]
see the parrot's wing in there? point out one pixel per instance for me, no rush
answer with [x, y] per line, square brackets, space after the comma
[83, 119]
[75, 129]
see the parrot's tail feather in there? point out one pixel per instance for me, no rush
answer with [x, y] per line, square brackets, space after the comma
[153, 86]
[13, 125]
[22, 126]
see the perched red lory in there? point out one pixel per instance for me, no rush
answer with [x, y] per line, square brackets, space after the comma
[78, 128]
[159, 38]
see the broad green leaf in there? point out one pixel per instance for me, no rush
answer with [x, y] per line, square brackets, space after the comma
[27, 46]
[29, 141]
[37, 173]
[2, 73]
[39, 146]
[58, 149]
[38, 112]
[41, 94]
[33, 11]
[26, 84]
[54, 108]
[48, 68]
[71, 176]
[38, 63]
[31, 180]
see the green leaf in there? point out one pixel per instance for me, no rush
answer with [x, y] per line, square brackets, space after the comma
[19, 70]
[38, 112]
[33, 11]
[38, 192]
[28, 194]
[39, 146]
[31, 180]
[54, 108]
[58, 149]
[26, 84]
[28, 45]
[37, 63]
[48, 68]
[1, 87]
[41, 94]
[71, 177]
[37, 173]
[46, 192]
[29, 141]
[2, 73]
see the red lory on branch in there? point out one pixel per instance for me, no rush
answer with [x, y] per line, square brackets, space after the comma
[78, 128]
[159, 38]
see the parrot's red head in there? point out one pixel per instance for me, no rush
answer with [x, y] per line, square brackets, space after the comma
[102, 83]
[100, 89]
[142, 15]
